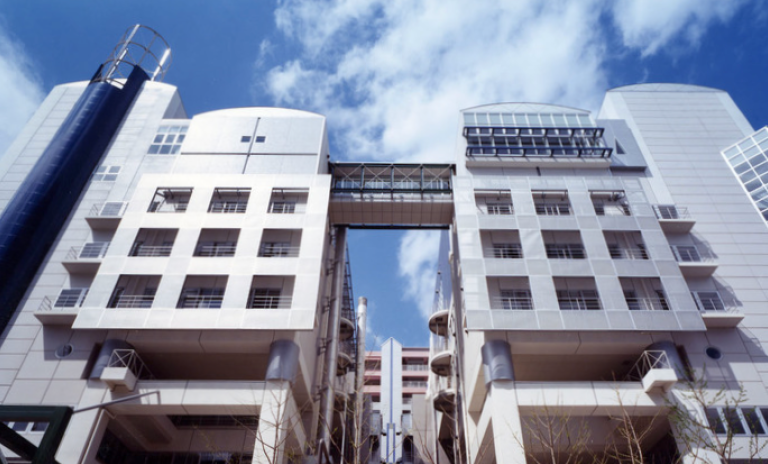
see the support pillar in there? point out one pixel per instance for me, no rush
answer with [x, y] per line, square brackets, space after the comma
[507, 426]
[274, 423]
[692, 440]
[85, 430]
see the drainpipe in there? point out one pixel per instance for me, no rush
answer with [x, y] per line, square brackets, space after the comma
[332, 340]
[362, 308]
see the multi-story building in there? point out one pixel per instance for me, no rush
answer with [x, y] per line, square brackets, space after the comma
[176, 289]
[396, 382]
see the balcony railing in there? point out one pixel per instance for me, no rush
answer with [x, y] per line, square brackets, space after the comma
[691, 254]
[619, 252]
[650, 359]
[151, 251]
[415, 368]
[710, 301]
[92, 250]
[671, 212]
[348, 347]
[269, 302]
[109, 209]
[575, 302]
[278, 250]
[512, 302]
[504, 251]
[553, 209]
[647, 304]
[565, 251]
[201, 301]
[228, 207]
[132, 301]
[414, 384]
[215, 251]
[129, 359]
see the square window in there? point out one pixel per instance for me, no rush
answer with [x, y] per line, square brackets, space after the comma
[261, 139]
[245, 139]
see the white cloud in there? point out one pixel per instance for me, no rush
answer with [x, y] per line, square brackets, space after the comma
[650, 24]
[391, 75]
[20, 90]
[417, 258]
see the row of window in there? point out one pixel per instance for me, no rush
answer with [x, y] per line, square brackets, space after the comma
[738, 421]
[577, 300]
[276, 243]
[552, 202]
[228, 200]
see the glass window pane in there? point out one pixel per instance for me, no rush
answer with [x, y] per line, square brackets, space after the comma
[170, 138]
[158, 139]
[175, 129]
[184, 129]
[752, 151]
[165, 149]
[153, 149]
[162, 130]
[753, 421]
[764, 145]
[762, 169]
[560, 120]
[737, 160]
[469, 119]
[509, 120]
[740, 169]
[731, 152]
[734, 421]
[747, 176]
[572, 121]
[713, 417]
[114, 169]
[585, 121]
[533, 120]
[482, 119]
[175, 149]
[180, 138]
[495, 119]
[746, 144]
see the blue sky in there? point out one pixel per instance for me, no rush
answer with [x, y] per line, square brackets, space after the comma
[391, 76]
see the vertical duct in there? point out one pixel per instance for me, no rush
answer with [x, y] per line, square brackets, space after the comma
[39, 209]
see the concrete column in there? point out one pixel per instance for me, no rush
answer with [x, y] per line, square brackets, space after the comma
[275, 423]
[692, 440]
[86, 429]
[507, 426]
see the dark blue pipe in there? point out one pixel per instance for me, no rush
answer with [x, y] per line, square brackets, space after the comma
[38, 211]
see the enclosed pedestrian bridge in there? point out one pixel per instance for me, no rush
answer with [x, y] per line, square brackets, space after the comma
[374, 195]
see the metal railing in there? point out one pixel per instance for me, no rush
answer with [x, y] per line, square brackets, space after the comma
[553, 209]
[650, 359]
[200, 301]
[348, 347]
[691, 254]
[498, 209]
[215, 251]
[671, 212]
[129, 359]
[504, 251]
[512, 303]
[269, 302]
[151, 251]
[565, 251]
[415, 368]
[711, 302]
[228, 206]
[348, 313]
[132, 301]
[92, 250]
[647, 304]
[414, 384]
[611, 208]
[620, 252]
[578, 303]
[277, 250]
[108, 209]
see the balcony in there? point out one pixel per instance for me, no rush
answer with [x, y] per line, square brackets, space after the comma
[147, 251]
[85, 259]
[61, 309]
[715, 312]
[278, 250]
[124, 369]
[347, 324]
[654, 370]
[216, 250]
[170, 200]
[674, 219]
[445, 401]
[132, 301]
[517, 300]
[107, 215]
[268, 298]
[438, 322]
[694, 261]
[441, 363]
[346, 356]
[229, 200]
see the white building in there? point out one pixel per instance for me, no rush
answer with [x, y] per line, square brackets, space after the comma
[195, 305]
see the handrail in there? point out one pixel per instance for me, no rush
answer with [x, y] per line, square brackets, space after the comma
[671, 212]
[108, 209]
[214, 251]
[129, 359]
[269, 302]
[272, 250]
[228, 206]
[691, 254]
[647, 304]
[546, 208]
[202, 301]
[512, 303]
[621, 252]
[504, 251]
[152, 250]
[132, 301]
[649, 359]
[91, 250]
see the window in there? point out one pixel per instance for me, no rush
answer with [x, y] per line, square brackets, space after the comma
[264, 298]
[507, 251]
[153, 242]
[494, 202]
[551, 202]
[170, 200]
[245, 139]
[214, 422]
[280, 243]
[229, 200]
[578, 299]
[134, 292]
[288, 201]
[275, 249]
[201, 297]
[563, 244]
[106, 173]
[71, 298]
[260, 139]
[516, 299]
[708, 301]
[214, 243]
[644, 294]
[168, 140]
[610, 203]
[625, 245]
